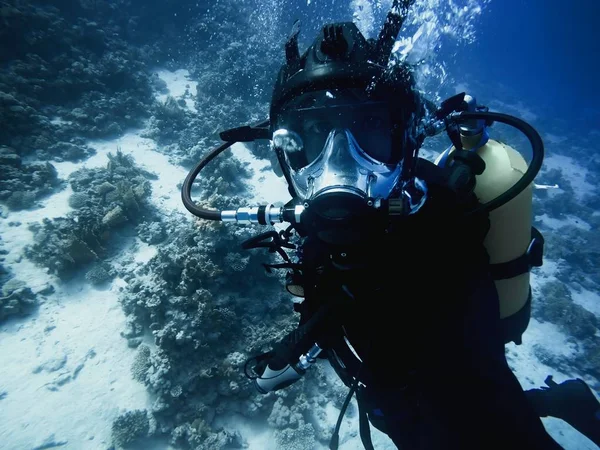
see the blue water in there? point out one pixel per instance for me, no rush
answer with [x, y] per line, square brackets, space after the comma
[545, 52]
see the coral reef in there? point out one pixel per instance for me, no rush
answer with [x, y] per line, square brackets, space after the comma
[108, 200]
[16, 299]
[301, 437]
[196, 311]
[556, 305]
[141, 363]
[230, 93]
[579, 250]
[151, 232]
[129, 427]
[22, 184]
[69, 76]
[199, 298]
[198, 436]
[226, 187]
[99, 274]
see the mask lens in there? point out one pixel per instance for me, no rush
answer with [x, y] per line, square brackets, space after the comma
[315, 131]
[369, 122]
[372, 131]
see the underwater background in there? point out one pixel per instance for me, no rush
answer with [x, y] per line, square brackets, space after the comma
[125, 322]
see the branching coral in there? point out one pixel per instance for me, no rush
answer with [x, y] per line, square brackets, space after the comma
[141, 363]
[299, 438]
[99, 274]
[129, 427]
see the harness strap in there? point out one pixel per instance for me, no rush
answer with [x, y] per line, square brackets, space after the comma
[363, 425]
[335, 438]
[533, 257]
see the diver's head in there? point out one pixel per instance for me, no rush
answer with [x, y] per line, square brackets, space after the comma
[344, 122]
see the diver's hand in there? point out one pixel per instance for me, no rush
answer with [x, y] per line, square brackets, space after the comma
[572, 401]
[570, 398]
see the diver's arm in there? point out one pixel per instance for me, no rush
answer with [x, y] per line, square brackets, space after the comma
[499, 406]
[466, 396]
[473, 393]
[572, 401]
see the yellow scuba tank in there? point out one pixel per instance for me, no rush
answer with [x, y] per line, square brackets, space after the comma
[510, 231]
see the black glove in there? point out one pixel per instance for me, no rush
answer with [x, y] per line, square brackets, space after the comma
[572, 401]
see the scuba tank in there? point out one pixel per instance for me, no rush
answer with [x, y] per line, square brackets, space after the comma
[512, 244]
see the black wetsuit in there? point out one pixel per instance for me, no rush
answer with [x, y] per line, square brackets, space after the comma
[419, 308]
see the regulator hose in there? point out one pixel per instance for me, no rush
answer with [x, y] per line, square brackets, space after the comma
[186, 190]
[537, 147]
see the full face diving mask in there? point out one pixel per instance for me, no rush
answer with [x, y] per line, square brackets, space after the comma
[342, 147]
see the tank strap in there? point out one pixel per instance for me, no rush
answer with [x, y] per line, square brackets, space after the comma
[533, 257]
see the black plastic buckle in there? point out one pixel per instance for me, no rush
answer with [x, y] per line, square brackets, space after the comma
[535, 253]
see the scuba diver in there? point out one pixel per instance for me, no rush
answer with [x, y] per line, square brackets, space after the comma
[412, 274]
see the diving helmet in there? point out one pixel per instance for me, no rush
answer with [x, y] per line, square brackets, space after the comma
[345, 123]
